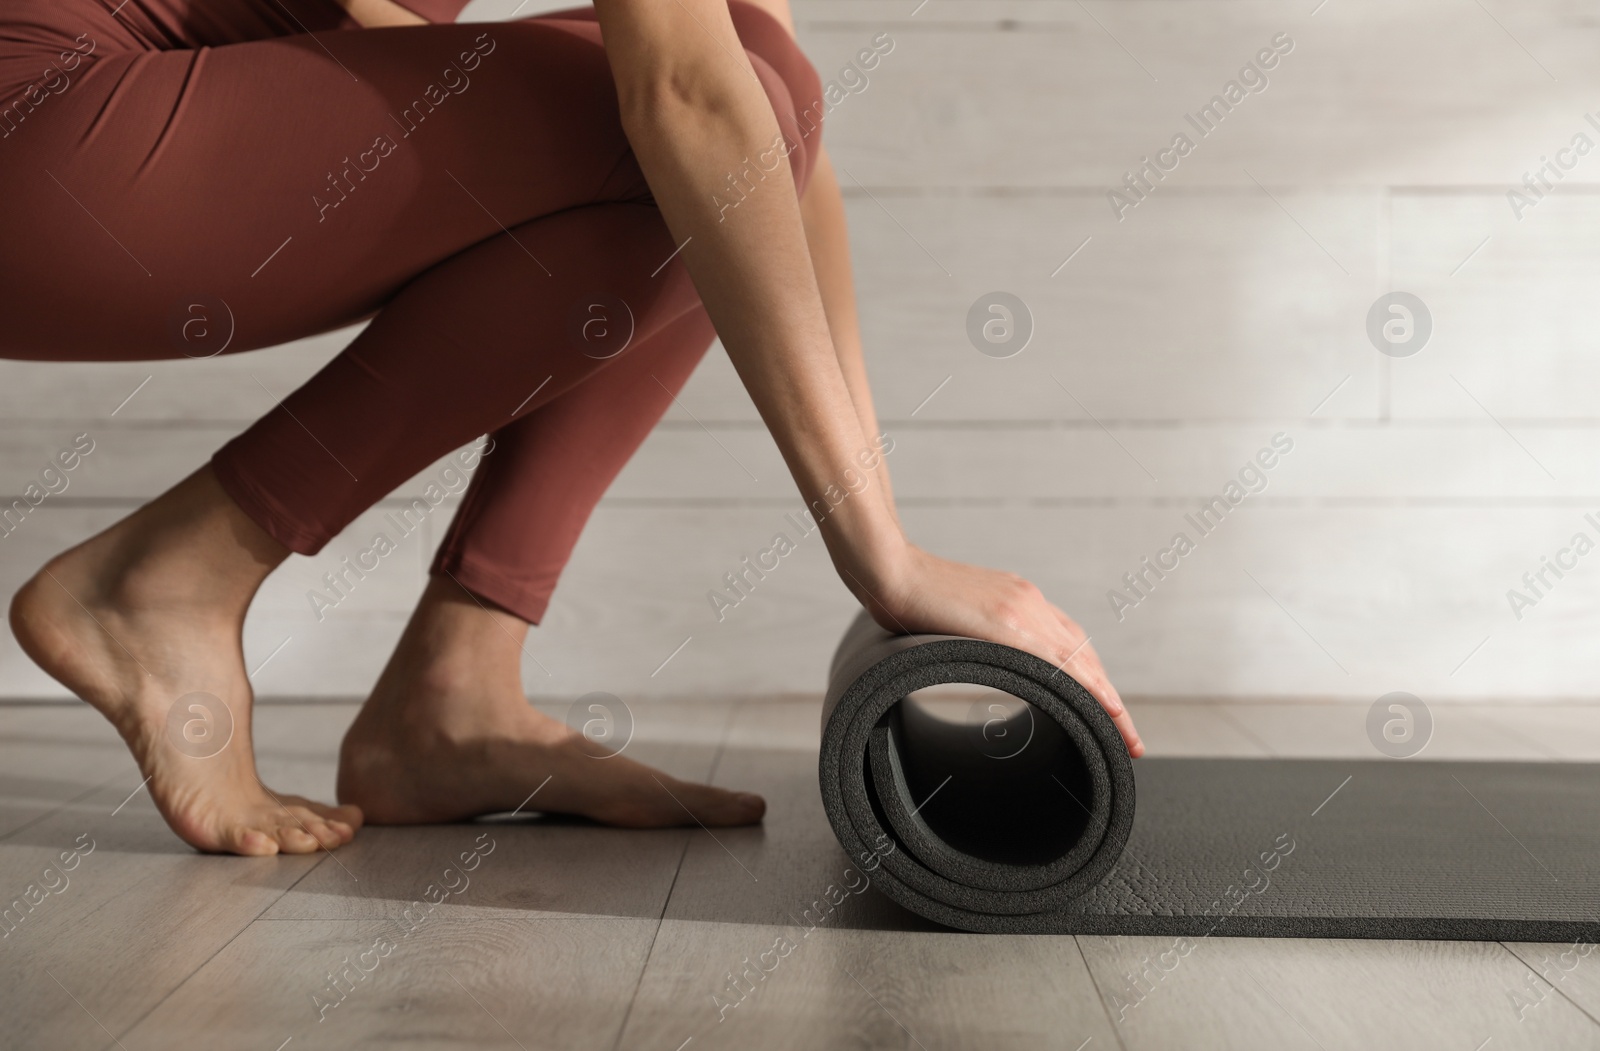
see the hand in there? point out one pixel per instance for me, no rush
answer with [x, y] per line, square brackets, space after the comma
[932, 595]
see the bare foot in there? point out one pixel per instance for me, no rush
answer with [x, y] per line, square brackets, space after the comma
[447, 735]
[147, 615]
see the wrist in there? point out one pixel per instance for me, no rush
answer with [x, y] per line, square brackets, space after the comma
[869, 549]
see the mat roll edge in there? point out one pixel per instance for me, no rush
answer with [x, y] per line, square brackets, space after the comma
[871, 672]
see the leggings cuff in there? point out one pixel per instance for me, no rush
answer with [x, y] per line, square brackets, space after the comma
[261, 508]
[527, 600]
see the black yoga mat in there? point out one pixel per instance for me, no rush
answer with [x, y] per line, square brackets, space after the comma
[995, 815]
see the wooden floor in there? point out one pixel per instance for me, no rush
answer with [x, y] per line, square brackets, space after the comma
[566, 935]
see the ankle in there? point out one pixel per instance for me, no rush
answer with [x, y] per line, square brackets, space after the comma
[456, 669]
[190, 547]
[448, 680]
[460, 643]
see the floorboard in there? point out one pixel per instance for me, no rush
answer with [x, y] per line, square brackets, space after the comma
[753, 952]
[1232, 993]
[122, 925]
[566, 934]
[538, 981]
[50, 755]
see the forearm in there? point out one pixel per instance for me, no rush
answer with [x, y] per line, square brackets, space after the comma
[828, 236]
[374, 13]
[785, 310]
[757, 281]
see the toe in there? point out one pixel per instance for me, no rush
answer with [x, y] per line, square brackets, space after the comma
[295, 840]
[733, 808]
[717, 806]
[252, 842]
[753, 807]
[313, 824]
[325, 834]
[348, 815]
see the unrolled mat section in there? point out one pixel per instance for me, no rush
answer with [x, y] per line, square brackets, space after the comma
[988, 791]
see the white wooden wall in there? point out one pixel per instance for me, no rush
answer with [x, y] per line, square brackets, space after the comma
[1229, 306]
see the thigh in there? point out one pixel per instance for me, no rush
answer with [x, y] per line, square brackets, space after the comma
[296, 183]
[192, 201]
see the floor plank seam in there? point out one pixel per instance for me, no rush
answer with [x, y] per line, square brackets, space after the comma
[655, 935]
[666, 903]
[1518, 957]
[64, 804]
[222, 948]
[1094, 982]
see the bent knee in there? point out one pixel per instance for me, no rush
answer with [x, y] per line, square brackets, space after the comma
[800, 115]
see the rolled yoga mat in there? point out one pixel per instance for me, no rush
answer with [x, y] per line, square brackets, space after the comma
[1012, 810]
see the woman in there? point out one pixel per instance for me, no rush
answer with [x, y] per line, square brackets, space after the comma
[200, 176]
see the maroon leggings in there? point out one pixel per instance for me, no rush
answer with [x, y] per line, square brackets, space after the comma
[192, 177]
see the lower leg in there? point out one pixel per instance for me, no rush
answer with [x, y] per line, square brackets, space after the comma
[448, 734]
[149, 613]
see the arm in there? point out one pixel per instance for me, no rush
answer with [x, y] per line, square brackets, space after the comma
[828, 237]
[373, 13]
[693, 111]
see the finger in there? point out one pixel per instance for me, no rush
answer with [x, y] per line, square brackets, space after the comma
[1080, 638]
[1130, 736]
[1082, 653]
[1079, 654]
[1099, 687]
[1077, 662]
[1098, 682]
[1061, 615]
